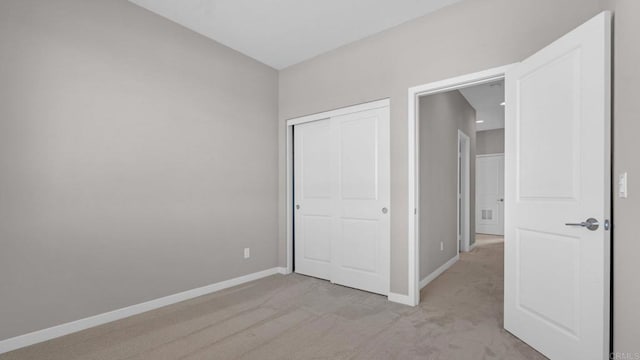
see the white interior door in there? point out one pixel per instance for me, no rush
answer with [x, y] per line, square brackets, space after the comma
[558, 171]
[490, 194]
[362, 226]
[313, 176]
[342, 194]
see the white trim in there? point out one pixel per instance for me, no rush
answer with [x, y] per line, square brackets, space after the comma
[472, 246]
[289, 167]
[413, 259]
[489, 155]
[341, 111]
[478, 78]
[466, 192]
[429, 278]
[400, 299]
[100, 319]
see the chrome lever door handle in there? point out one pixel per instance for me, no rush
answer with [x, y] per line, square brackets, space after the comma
[591, 224]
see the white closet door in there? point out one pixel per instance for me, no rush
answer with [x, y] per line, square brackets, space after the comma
[342, 194]
[362, 227]
[313, 178]
[490, 194]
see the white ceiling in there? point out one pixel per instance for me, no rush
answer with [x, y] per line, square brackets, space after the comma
[486, 99]
[281, 33]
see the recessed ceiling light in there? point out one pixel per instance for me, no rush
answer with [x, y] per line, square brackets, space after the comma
[479, 121]
[503, 103]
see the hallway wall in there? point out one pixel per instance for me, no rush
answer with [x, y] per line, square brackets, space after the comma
[490, 142]
[441, 116]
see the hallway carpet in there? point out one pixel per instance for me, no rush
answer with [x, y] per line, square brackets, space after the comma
[298, 317]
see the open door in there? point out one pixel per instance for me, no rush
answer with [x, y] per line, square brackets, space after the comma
[557, 245]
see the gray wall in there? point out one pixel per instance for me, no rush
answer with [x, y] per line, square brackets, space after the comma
[626, 243]
[463, 38]
[133, 153]
[441, 116]
[490, 142]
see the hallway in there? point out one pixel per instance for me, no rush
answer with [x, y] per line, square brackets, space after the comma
[469, 299]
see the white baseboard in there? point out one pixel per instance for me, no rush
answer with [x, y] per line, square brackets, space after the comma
[400, 299]
[438, 271]
[283, 271]
[100, 319]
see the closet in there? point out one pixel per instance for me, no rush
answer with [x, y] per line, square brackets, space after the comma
[341, 198]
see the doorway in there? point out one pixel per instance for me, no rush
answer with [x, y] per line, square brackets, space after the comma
[489, 194]
[488, 100]
[464, 192]
[424, 142]
[451, 208]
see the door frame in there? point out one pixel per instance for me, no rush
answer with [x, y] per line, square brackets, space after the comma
[289, 154]
[503, 203]
[413, 210]
[464, 181]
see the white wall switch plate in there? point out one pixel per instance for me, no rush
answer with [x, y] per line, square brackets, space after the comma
[622, 186]
[247, 253]
[441, 246]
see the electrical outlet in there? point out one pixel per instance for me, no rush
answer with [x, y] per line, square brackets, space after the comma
[247, 253]
[441, 246]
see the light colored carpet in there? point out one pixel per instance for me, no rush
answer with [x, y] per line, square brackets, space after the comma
[297, 317]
